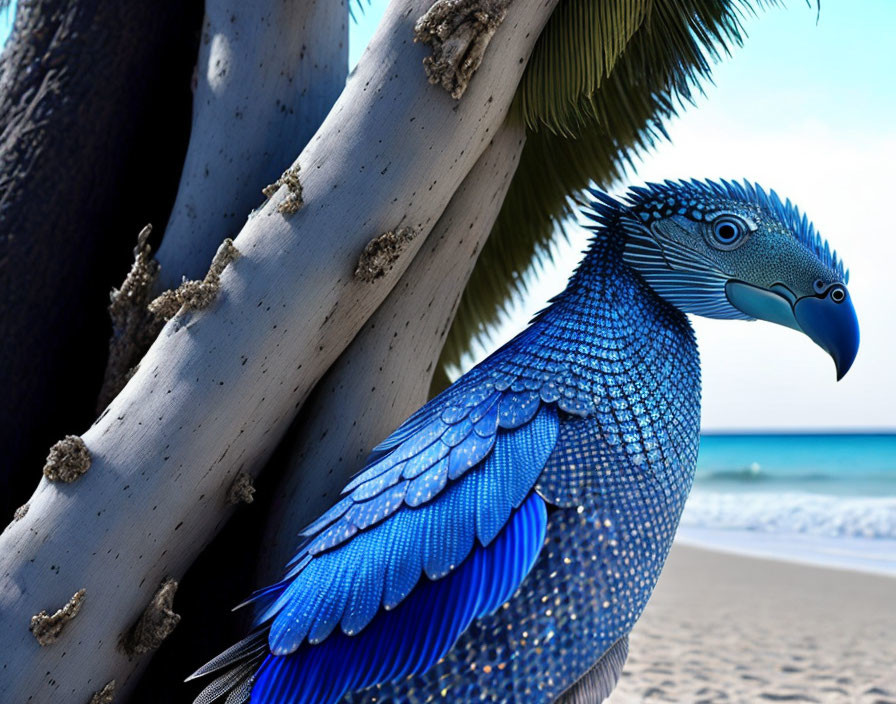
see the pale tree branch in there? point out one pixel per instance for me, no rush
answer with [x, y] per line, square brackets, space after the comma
[268, 73]
[385, 373]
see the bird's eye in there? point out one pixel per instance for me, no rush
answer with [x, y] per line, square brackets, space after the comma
[728, 232]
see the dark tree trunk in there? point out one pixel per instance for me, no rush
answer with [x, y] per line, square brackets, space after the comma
[94, 120]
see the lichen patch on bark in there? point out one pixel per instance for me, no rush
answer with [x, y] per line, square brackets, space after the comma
[133, 326]
[105, 695]
[382, 252]
[196, 295]
[21, 511]
[459, 32]
[47, 628]
[241, 490]
[293, 200]
[155, 624]
[68, 460]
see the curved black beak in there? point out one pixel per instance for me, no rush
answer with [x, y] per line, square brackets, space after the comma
[828, 318]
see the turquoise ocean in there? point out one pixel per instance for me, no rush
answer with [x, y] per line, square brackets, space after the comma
[822, 499]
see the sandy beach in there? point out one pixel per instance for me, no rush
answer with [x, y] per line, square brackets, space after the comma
[726, 628]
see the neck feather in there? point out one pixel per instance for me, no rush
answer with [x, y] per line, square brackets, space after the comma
[635, 356]
[609, 323]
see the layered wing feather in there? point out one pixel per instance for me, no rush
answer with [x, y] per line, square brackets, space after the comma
[449, 482]
[418, 632]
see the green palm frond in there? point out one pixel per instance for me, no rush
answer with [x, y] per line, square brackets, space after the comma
[602, 80]
[576, 51]
[584, 39]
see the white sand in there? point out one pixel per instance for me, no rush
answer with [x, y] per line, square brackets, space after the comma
[726, 628]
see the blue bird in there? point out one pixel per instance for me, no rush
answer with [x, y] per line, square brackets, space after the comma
[502, 542]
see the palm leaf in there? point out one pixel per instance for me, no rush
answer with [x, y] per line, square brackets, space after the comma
[576, 51]
[603, 78]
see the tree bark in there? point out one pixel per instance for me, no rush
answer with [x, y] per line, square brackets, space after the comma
[269, 71]
[219, 387]
[94, 120]
[385, 373]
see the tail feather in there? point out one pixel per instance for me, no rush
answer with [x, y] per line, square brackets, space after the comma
[599, 682]
[237, 681]
[241, 694]
[248, 647]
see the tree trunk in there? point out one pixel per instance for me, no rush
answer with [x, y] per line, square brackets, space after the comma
[385, 373]
[219, 387]
[267, 76]
[94, 120]
[269, 71]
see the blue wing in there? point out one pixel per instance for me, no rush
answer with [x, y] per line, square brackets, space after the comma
[417, 509]
[418, 632]
[412, 551]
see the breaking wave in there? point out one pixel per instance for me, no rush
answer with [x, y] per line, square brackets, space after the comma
[794, 513]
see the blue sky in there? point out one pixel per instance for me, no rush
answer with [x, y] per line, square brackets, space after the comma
[807, 109]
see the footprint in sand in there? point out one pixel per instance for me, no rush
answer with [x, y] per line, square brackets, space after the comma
[774, 697]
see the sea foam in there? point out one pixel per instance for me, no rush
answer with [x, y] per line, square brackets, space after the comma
[793, 513]
[856, 533]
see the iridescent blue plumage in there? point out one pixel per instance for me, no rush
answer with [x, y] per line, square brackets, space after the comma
[394, 644]
[360, 561]
[594, 409]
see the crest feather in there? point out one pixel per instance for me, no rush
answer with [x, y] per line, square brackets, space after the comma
[783, 210]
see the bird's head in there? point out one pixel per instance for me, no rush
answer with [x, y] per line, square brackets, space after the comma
[731, 250]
